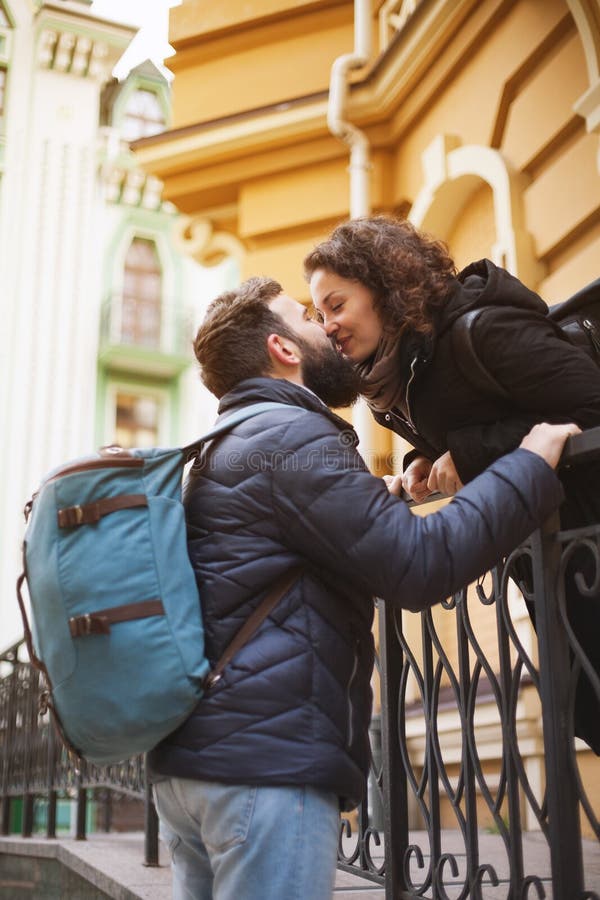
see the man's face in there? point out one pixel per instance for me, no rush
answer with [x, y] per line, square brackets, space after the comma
[324, 370]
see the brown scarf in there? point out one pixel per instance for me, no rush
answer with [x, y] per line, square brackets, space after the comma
[383, 381]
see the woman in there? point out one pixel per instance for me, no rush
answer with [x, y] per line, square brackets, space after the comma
[388, 296]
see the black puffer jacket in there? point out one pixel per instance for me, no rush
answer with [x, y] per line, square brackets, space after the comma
[547, 378]
[286, 488]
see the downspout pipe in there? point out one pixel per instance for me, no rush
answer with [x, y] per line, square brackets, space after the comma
[360, 203]
[360, 200]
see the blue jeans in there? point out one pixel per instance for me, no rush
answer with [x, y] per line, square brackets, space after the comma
[236, 842]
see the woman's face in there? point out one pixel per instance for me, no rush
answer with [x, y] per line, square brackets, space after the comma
[348, 313]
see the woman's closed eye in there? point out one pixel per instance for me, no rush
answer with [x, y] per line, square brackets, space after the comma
[314, 315]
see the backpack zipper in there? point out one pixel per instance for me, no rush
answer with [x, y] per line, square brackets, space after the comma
[134, 462]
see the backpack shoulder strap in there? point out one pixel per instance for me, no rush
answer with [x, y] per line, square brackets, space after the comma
[584, 298]
[468, 361]
[226, 423]
[277, 592]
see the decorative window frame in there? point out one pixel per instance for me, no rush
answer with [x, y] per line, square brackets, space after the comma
[136, 82]
[117, 384]
[117, 257]
[452, 173]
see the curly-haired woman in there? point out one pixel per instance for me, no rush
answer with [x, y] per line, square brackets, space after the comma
[388, 296]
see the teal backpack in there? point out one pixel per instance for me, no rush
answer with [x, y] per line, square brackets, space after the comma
[117, 622]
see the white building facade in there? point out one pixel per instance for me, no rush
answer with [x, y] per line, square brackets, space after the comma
[98, 305]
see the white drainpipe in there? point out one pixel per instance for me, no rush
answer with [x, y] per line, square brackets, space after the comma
[360, 204]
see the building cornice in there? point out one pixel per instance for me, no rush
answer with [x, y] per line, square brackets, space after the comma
[270, 127]
[70, 40]
[374, 99]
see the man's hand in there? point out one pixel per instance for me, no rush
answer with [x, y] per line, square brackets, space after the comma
[548, 440]
[443, 476]
[394, 484]
[414, 480]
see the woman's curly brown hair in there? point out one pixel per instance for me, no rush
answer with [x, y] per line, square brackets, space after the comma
[409, 272]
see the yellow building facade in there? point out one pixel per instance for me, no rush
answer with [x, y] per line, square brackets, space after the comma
[477, 119]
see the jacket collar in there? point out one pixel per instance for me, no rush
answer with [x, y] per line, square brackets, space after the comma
[257, 390]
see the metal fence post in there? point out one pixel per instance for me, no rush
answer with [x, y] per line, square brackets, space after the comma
[81, 811]
[395, 795]
[554, 666]
[51, 780]
[150, 828]
[10, 711]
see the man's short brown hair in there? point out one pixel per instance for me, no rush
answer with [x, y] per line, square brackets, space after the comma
[231, 343]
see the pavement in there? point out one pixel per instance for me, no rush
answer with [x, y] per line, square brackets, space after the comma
[112, 866]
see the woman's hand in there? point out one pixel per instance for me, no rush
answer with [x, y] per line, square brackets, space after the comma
[443, 476]
[414, 480]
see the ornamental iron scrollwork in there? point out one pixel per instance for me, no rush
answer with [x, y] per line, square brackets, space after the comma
[478, 787]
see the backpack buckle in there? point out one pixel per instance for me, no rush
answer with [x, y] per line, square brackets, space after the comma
[211, 679]
[70, 516]
[83, 626]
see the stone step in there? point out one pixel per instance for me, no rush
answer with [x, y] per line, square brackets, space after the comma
[107, 866]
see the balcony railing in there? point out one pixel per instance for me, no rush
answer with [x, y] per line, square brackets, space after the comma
[479, 788]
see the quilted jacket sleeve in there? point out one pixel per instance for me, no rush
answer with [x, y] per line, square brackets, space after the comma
[548, 379]
[343, 520]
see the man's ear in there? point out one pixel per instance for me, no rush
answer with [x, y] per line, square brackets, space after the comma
[283, 351]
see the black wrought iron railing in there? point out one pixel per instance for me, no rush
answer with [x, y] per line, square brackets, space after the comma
[486, 791]
[479, 788]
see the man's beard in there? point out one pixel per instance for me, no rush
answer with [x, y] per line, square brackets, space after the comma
[331, 376]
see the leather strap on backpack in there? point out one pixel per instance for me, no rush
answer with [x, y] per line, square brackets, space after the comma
[277, 592]
[90, 513]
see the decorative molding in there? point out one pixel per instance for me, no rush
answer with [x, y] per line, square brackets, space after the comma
[123, 181]
[197, 237]
[588, 106]
[131, 187]
[586, 14]
[451, 174]
[75, 54]
[393, 16]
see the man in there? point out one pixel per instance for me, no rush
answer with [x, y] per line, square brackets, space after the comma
[249, 788]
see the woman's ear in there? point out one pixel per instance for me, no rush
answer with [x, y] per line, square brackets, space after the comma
[283, 351]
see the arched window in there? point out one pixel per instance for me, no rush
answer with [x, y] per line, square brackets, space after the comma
[4, 20]
[144, 115]
[142, 295]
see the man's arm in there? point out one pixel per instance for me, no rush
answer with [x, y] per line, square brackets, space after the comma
[333, 512]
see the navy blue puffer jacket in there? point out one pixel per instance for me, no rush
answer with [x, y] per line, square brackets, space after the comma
[289, 488]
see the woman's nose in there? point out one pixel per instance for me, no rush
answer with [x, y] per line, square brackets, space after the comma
[330, 327]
